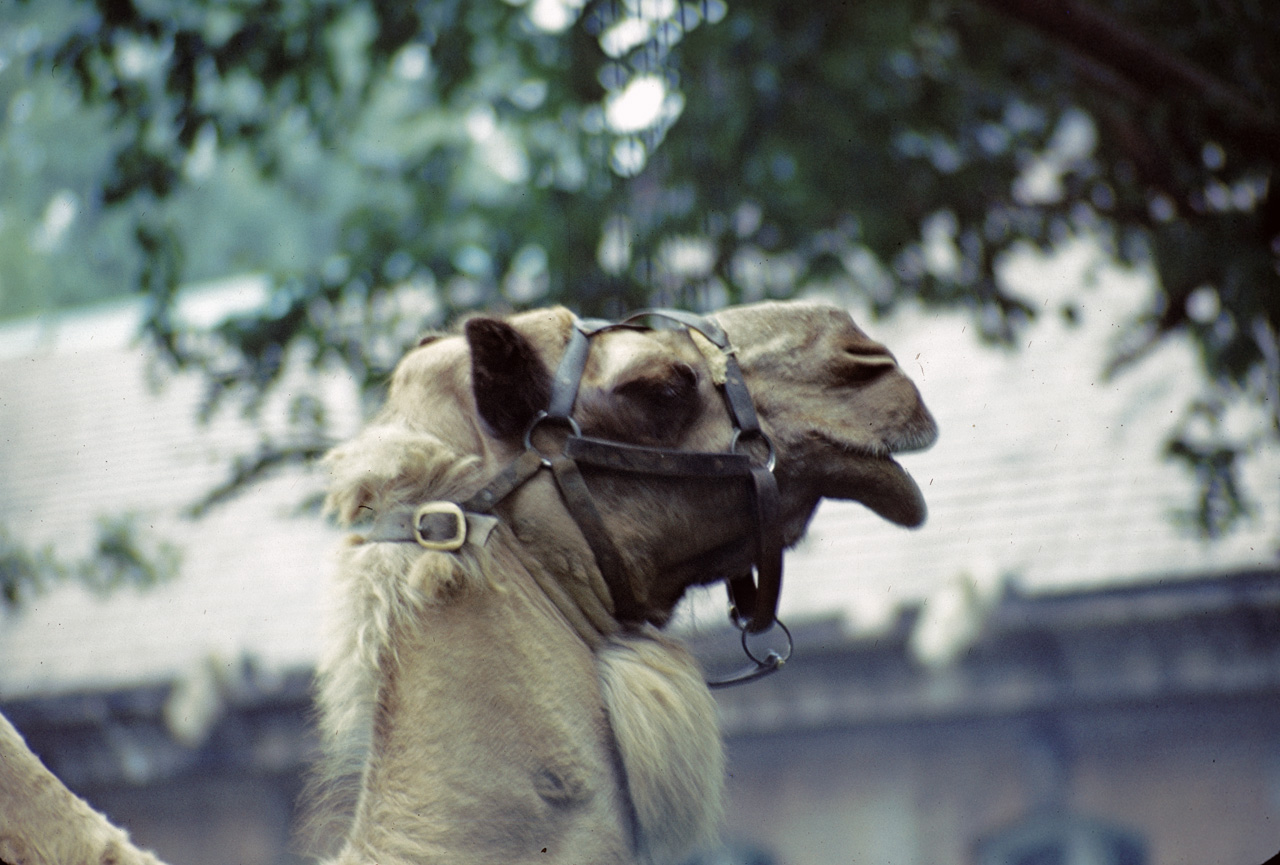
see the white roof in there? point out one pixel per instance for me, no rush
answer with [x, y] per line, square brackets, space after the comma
[85, 435]
[1044, 472]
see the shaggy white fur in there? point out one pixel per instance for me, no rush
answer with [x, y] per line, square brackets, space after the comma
[663, 718]
[667, 732]
[386, 466]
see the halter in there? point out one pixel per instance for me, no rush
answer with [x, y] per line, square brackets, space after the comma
[446, 525]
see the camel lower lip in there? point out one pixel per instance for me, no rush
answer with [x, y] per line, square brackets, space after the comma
[889, 490]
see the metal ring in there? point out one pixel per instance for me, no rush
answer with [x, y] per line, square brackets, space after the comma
[541, 416]
[771, 459]
[772, 659]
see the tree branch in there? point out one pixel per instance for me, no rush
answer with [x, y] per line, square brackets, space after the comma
[1154, 67]
[250, 468]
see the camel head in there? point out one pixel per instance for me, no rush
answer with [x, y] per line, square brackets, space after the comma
[834, 403]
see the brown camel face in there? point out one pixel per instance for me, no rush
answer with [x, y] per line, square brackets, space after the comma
[834, 402]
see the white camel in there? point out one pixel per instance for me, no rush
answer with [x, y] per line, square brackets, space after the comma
[527, 509]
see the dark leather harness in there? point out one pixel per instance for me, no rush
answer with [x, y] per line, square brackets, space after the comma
[444, 525]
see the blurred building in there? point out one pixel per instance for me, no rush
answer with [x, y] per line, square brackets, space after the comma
[1138, 725]
[1054, 671]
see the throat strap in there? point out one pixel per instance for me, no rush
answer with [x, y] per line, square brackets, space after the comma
[622, 597]
[505, 482]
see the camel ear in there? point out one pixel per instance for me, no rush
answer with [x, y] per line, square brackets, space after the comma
[509, 380]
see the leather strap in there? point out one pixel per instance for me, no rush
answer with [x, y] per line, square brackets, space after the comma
[564, 387]
[768, 550]
[399, 524]
[626, 606]
[505, 482]
[664, 462]
[755, 601]
[703, 325]
[738, 398]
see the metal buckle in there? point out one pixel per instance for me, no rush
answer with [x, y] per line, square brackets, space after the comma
[452, 509]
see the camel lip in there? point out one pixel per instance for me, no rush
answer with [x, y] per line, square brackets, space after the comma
[890, 491]
[881, 483]
[918, 510]
[921, 438]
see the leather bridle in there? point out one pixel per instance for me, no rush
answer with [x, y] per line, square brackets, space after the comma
[444, 525]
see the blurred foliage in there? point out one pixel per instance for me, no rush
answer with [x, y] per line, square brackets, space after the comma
[390, 164]
[122, 555]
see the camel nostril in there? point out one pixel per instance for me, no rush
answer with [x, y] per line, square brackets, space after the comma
[859, 367]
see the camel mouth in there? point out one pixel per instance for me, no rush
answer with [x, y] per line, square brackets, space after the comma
[885, 486]
[872, 477]
[889, 490]
[921, 435]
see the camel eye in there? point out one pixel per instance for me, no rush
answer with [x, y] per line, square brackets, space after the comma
[654, 406]
[674, 387]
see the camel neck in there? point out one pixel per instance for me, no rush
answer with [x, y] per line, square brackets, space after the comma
[491, 742]
[579, 595]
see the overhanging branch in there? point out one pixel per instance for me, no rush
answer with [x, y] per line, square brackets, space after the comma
[250, 468]
[1153, 67]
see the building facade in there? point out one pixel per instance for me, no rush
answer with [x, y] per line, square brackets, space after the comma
[1133, 725]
